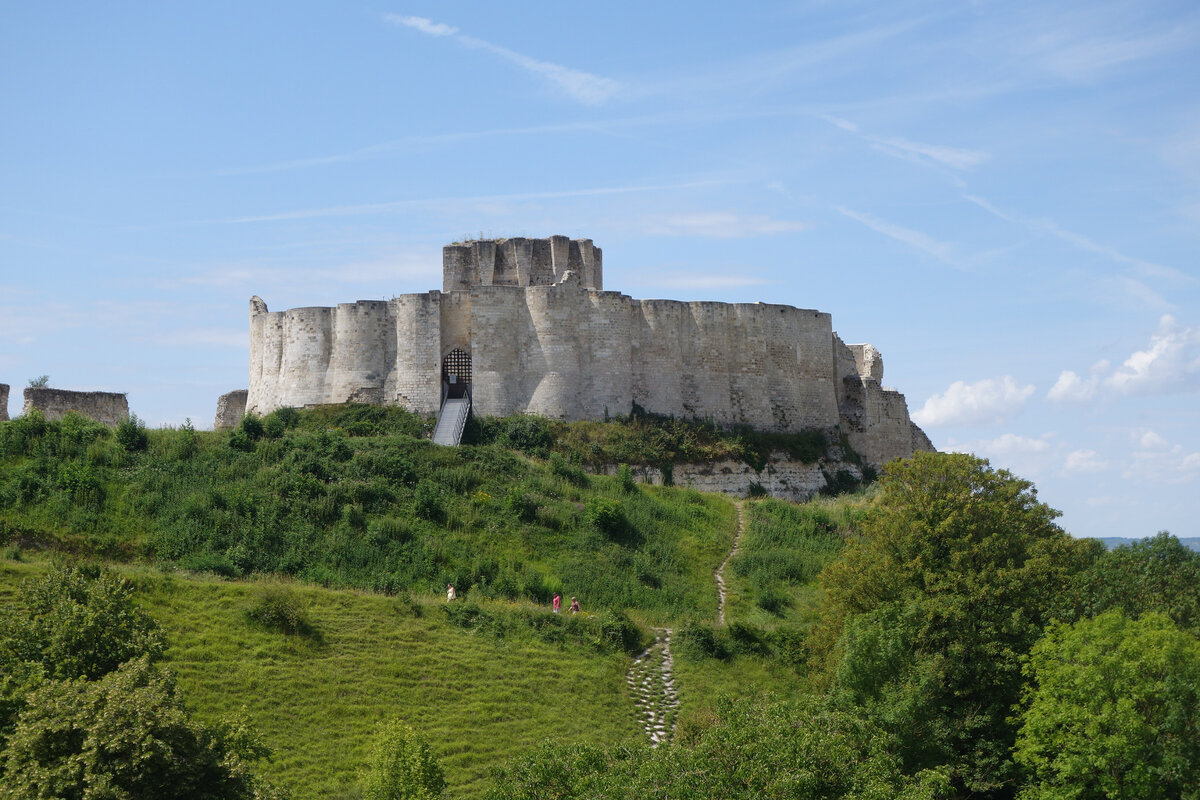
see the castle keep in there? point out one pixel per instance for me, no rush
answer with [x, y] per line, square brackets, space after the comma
[525, 326]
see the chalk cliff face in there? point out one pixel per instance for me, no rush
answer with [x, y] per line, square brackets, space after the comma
[525, 324]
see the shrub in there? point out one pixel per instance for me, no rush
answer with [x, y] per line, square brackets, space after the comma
[757, 490]
[132, 434]
[252, 426]
[281, 610]
[625, 478]
[401, 766]
[698, 642]
[428, 501]
[520, 504]
[605, 515]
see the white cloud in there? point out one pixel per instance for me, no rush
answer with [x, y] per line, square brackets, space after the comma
[1170, 363]
[1070, 388]
[583, 87]
[1152, 441]
[1159, 461]
[720, 225]
[423, 25]
[988, 401]
[1084, 461]
[1012, 444]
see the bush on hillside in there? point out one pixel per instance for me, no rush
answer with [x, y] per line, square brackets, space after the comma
[401, 766]
[129, 733]
[131, 434]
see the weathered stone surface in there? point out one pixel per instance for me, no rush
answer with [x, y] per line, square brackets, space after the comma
[543, 338]
[781, 477]
[3, 402]
[231, 407]
[109, 408]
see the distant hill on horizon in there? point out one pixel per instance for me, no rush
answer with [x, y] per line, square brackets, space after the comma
[1116, 541]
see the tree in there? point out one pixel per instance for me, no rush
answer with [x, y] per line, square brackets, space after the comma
[747, 750]
[402, 767]
[126, 735]
[1112, 711]
[40, 382]
[78, 622]
[929, 612]
[1155, 574]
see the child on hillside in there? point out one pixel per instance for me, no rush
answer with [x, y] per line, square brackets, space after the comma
[450, 595]
[574, 606]
[557, 602]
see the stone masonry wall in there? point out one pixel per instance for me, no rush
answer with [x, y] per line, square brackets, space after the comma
[231, 407]
[545, 339]
[3, 402]
[521, 262]
[109, 408]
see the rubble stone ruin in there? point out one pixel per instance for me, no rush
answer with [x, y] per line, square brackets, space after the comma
[525, 326]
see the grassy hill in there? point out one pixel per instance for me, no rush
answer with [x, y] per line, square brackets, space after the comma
[352, 524]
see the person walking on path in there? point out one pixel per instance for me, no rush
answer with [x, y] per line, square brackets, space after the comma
[557, 602]
[574, 606]
[450, 595]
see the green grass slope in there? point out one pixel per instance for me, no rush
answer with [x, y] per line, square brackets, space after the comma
[348, 518]
[480, 694]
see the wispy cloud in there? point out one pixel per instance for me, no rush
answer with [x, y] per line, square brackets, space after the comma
[957, 158]
[989, 401]
[581, 86]
[942, 251]
[1075, 56]
[720, 225]
[1142, 267]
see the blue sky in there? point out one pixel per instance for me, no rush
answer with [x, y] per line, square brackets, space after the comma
[1003, 197]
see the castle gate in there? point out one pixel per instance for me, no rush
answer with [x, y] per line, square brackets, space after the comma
[456, 372]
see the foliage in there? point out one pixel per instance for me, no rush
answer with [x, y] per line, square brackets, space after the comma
[282, 610]
[401, 767]
[625, 479]
[928, 614]
[1154, 574]
[643, 439]
[79, 622]
[40, 382]
[605, 514]
[1112, 711]
[131, 434]
[125, 735]
[747, 750]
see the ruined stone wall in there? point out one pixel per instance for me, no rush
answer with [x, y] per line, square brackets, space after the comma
[521, 262]
[3, 402]
[369, 351]
[109, 408]
[545, 339]
[231, 407]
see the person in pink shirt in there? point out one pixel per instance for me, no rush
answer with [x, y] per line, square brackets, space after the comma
[557, 602]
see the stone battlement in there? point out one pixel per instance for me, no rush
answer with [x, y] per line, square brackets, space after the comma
[521, 262]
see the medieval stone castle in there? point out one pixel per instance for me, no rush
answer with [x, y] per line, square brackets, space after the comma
[525, 326]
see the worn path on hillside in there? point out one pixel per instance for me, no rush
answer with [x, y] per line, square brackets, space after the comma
[651, 677]
[720, 573]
